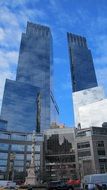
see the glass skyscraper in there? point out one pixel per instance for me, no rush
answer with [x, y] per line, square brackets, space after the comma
[81, 63]
[28, 102]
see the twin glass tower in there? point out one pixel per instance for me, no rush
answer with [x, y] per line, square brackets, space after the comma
[28, 102]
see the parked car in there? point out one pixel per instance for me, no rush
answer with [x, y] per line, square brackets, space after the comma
[59, 185]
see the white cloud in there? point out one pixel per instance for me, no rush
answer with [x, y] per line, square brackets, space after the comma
[12, 25]
[8, 59]
[2, 34]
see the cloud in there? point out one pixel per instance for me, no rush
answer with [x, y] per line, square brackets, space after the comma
[8, 59]
[8, 62]
[2, 34]
[12, 23]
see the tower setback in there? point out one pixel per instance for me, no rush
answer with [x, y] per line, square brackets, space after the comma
[33, 77]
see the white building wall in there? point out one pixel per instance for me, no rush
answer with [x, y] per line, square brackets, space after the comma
[85, 97]
[93, 114]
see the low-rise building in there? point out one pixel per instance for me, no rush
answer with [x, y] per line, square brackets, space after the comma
[60, 160]
[91, 150]
[15, 154]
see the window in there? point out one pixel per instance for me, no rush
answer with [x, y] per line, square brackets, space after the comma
[29, 137]
[83, 154]
[4, 146]
[18, 162]
[4, 136]
[19, 169]
[18, 147]
[37, 148]
[28, 156]
[3, 162]
[3, 155]
[19, 157]
[100, 143]
[83, 145]
[37, 156]
[2, 169]
[101, 152]
[18, 137]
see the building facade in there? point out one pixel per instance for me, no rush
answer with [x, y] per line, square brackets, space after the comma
[60, 162]
[81, 63]
[91, 150]
[72, 153]
[28, 101]
[15, 154]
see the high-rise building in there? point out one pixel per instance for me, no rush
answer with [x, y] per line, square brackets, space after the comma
[28, 102]
[81, 62]
[88, 97]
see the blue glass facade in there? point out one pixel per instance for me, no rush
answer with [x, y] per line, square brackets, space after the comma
[81, 63]
[3, 124]
[19, 144]
[21, 106]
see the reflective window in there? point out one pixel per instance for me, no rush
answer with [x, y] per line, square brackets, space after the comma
[18, 147]
[37, 156]
[3, 162]
[19, 157]
[28, 156]
[60, 159]
[4, 136]
[83, 133]
[3, 155]
[88, 133]
[37, 148]
[39, 138]
[29, 148]
[4, 146]
[83, 145]
[18, 163]
[18, 137]
[59, 144]
[19, 169]
[85, 153]
[2, 168]
[29, 137]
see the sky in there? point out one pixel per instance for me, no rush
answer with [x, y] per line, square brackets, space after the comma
[84, 17]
